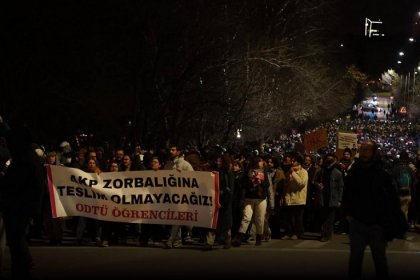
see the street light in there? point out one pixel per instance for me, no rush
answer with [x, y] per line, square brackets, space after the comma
[401, 53]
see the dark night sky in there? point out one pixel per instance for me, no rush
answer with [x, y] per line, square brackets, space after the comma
[77, 44]
[47, 28]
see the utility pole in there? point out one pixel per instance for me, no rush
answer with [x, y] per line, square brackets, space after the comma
[406, 88]
[414, 84]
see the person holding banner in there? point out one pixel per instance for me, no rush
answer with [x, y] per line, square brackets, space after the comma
[153, 231]
[226, 187]
[176, 162]
[127, 229]
[109, 227]
[53, 227]
[82, 221]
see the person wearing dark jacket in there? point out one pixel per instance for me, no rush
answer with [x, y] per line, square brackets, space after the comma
[4, 163]
[238, 195]
[329, 191]
[226, 190]
[367, 200]
[21, 193]
[255, 203]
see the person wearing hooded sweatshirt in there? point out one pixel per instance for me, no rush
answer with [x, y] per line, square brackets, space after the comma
[329, 186]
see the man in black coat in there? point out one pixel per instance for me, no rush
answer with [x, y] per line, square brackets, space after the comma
[20, 192]
[369, 198]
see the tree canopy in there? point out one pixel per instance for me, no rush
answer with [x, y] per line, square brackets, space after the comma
[176, 71]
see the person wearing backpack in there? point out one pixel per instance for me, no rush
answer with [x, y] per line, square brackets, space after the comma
[403, 178]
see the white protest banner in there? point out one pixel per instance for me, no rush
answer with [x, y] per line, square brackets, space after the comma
[168, 197]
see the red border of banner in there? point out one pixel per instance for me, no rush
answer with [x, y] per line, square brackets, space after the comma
[51, 189]
[216, 200]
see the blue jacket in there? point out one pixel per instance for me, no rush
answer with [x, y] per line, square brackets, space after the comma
[335, 184]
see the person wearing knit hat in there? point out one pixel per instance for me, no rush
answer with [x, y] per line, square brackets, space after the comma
[64, 155]
[65, 147]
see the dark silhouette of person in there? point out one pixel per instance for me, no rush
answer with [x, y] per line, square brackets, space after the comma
[369, 199]
[20, 192]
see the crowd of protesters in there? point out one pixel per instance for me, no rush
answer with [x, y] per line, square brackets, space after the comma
[270, 191]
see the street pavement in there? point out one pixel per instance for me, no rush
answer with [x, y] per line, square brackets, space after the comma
[276, 259]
